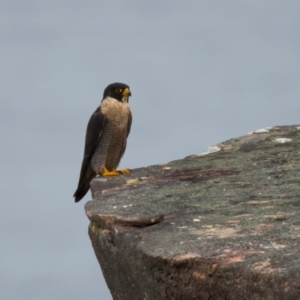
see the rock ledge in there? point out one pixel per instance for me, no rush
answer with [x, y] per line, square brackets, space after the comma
[221, 225]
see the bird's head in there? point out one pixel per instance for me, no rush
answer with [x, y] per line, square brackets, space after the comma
[118, 91]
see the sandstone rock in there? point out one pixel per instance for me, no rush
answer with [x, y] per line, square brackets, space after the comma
[221, 225]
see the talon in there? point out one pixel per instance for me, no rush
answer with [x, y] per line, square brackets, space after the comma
[124, 171]
[105, 172]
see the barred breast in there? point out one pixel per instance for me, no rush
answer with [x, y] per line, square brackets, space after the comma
[113, 139]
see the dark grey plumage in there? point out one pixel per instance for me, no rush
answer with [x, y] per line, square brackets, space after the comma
[106, 137]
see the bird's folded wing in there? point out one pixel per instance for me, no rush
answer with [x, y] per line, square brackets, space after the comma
[92, 138]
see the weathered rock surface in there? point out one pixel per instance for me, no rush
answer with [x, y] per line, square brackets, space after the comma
[222, 225]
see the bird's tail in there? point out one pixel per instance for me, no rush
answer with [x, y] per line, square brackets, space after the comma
[81, 192]
[83, 186]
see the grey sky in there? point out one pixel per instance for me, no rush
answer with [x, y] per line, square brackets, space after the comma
[200, 72]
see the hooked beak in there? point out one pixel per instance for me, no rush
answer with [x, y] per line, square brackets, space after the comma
[126, 92]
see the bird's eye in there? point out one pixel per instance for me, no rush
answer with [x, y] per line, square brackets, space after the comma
[118, 90]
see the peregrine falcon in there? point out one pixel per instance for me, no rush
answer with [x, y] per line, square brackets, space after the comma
[106, 137]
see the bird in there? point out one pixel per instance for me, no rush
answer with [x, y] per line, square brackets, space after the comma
[106, 137]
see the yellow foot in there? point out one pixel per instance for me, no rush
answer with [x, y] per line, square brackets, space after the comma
[105, 172]
[124, 171]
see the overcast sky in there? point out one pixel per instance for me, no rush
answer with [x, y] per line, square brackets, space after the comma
[200, 72]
